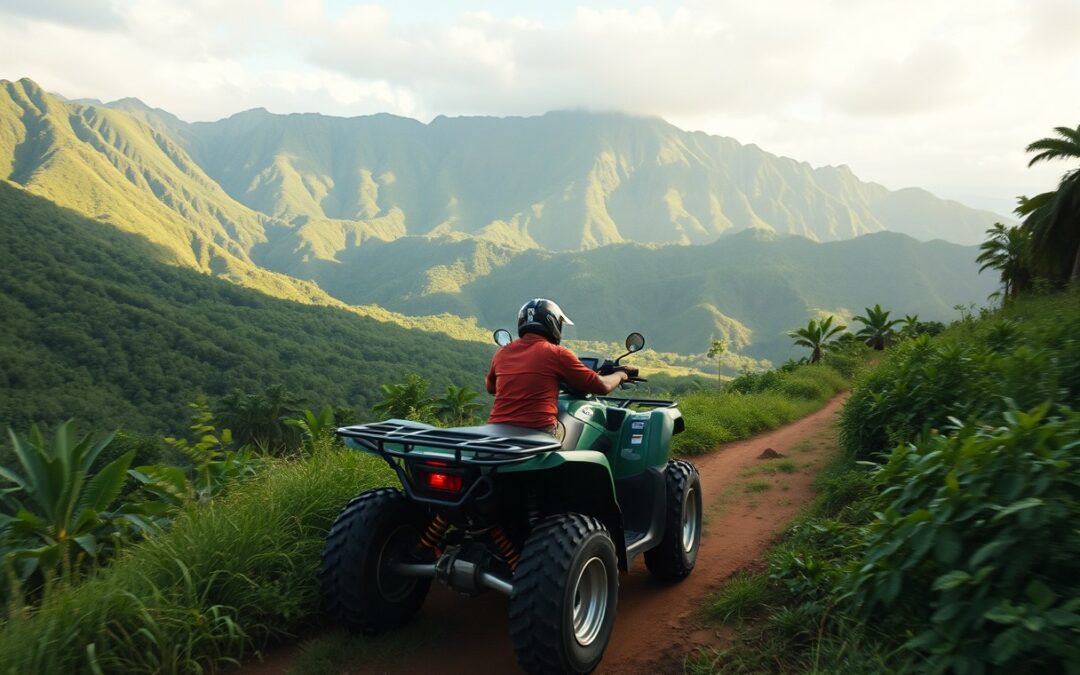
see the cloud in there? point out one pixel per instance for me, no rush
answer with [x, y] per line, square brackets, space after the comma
[93, 16]
[931, 77]
[943, 95]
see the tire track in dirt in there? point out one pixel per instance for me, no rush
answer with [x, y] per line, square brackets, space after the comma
[655, 624]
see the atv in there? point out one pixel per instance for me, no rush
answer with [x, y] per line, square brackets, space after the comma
[547, 520]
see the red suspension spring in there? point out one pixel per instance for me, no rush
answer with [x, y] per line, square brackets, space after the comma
[505, 546]
[436, 531]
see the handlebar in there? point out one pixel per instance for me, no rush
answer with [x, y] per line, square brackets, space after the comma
[631, 373]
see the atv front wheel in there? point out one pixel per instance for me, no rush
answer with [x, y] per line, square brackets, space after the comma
[562, 608]
[358, 586]
[677, 553]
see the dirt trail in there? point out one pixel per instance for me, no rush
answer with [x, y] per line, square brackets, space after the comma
[745, 509]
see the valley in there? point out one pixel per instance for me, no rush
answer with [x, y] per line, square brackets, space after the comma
[450, 226]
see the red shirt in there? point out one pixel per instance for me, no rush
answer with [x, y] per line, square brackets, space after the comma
[525, 378]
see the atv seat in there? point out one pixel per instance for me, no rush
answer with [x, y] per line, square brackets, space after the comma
[509, 431]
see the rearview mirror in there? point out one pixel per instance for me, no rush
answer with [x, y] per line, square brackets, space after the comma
[502, 337]
[635, 342]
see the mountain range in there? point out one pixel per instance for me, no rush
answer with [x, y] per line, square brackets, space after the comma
[449, 226]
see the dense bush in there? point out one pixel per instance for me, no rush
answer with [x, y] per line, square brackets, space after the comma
[225, 578]
[976, 544]
[1029, 353]
[959, 553]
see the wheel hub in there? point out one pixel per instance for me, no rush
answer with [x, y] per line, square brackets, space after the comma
[392, 585]
[590, 601]
[691, 521]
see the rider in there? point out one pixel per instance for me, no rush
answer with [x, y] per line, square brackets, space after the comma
[525, 374]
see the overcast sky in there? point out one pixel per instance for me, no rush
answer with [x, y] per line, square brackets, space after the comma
[938, 94]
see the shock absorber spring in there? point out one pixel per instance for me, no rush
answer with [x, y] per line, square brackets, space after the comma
[505, 546]
[436, 532]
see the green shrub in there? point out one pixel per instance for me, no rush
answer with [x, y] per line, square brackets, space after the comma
[847, 360]
[224, 579]
[1030, 353]
[976, 545]
[960, 554]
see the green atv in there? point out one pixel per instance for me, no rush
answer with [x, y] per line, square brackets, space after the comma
[547, 522]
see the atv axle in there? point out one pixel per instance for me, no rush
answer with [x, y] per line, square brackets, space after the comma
[462, 575]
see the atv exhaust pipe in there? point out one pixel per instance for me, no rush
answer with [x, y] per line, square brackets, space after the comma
[456, 573]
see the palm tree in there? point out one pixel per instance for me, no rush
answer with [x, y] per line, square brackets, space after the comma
[262, 419]
[716, 351]
[457, 406]
[877, 329]
[816, 336]
[406, 400]
[911, 325]
[1052, 219]
[1006, 250]
[314, 427]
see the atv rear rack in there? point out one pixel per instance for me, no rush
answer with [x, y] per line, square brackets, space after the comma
[486, 449]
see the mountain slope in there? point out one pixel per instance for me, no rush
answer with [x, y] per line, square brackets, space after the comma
[466, 217]
[119, 165]
[748, 289]
[565, 180]
[97, 329]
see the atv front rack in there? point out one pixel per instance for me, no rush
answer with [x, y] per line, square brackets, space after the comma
[398, 438]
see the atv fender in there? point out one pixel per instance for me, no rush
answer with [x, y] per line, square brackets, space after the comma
[582, 478]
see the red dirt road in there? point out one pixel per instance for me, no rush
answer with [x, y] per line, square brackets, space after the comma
[745, 510]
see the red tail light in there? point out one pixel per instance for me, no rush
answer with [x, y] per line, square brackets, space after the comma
[443, 481]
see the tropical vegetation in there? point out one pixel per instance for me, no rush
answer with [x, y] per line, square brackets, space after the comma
[877, 330]
[1052, 219]
[816, 336]
[59, 509]
[943, 539]
[1007, 250]
[226, 577]
[1045, 247]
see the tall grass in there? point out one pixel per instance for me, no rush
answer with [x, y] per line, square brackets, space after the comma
[226, 578]
[714, 417]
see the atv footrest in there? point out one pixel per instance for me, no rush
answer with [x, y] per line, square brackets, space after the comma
[631, 537]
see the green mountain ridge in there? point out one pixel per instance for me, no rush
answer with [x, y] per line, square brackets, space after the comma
[119, 165]
[748, 289]
[629, 222]
[560, 181]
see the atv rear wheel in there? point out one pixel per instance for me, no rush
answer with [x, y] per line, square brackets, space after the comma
[359, 589]
[677, 553]
[566, 588]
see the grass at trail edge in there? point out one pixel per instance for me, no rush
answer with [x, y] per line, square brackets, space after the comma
[223, 581]
[715, 417]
